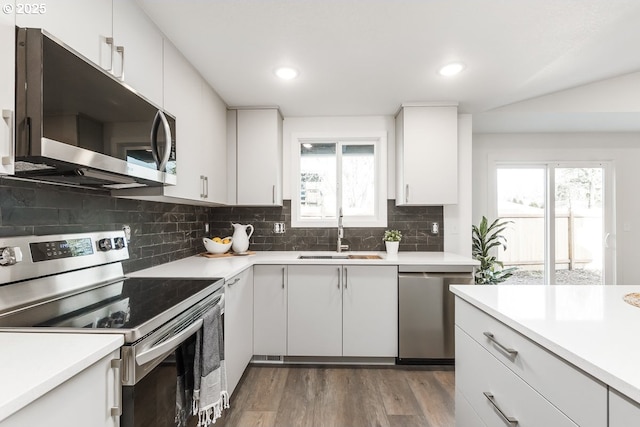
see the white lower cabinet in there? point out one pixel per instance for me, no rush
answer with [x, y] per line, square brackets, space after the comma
[465, 415]
[84, 400]
[342, 311]
[270, 310]
[370, 311]
[623, 412]
[497, 394]
[238, 326]
[502, 375]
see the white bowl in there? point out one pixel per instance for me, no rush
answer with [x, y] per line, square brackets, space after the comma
[215, 247]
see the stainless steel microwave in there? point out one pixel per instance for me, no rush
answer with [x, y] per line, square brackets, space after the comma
[77, 124]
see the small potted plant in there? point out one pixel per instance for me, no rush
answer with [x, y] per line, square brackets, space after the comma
[392, 240]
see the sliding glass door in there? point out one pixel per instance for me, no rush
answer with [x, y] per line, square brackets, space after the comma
[560, 222]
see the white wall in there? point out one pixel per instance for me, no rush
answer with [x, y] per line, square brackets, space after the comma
[623, 149]
[458, 218]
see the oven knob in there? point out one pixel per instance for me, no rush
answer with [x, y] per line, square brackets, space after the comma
[118, 243]
[10, 256]
[104, 245]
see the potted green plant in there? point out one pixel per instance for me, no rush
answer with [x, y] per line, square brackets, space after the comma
[485, 238]
[392, 240]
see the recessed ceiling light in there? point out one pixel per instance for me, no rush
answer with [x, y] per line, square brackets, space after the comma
[286, 73]
[451, 69]
[307, 145]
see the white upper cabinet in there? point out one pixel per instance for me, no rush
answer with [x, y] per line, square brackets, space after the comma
[85, 26]
[137, 57]
[114, 34]
[200, 132]
[427, 155]
[7, 91]
[255, 157]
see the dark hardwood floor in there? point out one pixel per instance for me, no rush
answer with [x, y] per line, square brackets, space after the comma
[300, 396]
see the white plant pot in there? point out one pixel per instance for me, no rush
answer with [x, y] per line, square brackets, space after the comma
[392, 247]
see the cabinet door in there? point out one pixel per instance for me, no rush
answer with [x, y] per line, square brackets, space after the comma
[213, 128]
[138, 61]
[84, 400]
[183, 98]
[270, 310]
[314, 324]
[623, 411]
[82, 25]
[238, 326]
[427, 168]
[370, 311]
[259, 157]
[7, 90]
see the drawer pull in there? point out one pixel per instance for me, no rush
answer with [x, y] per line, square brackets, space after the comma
[509, 420]
[512, 352]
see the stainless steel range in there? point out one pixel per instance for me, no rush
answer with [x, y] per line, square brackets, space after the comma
[75, 284]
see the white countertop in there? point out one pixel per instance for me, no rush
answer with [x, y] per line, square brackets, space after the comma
[32, 364]
[589, 326]
[227, 267]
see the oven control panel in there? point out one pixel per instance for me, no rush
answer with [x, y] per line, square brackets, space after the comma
[44, 251]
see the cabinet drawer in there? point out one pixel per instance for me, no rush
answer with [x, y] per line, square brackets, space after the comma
[622, 410]
[465, 415]
[562, 384]
[495, 393]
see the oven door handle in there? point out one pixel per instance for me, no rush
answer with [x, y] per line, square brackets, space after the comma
[168, 345]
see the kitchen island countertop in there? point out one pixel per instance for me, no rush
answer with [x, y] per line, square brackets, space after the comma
[201, 267]
[32, 364]
[589, 326]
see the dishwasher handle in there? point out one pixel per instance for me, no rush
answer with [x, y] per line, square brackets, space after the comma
[462, 277]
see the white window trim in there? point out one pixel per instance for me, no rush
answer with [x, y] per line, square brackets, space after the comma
[380, 141]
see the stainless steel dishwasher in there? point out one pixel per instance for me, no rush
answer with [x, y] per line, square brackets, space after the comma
[426, 314]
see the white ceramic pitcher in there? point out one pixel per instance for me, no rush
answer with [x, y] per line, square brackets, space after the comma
[240, 237]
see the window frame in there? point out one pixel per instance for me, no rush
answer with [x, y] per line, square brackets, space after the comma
[379, 140]
[549, 167]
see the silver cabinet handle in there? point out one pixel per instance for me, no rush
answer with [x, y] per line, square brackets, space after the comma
[406, 193]
[202, 186]
[493, 339]
[283, 277]
[120, 50]
[339, 277]
[109, 42]
[509, 420]
[7, 116]
[346, 278]
[236, 280]
[206, 187]
[116, 365]
[273, 194]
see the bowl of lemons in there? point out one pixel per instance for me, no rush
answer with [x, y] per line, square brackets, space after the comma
[217, 245]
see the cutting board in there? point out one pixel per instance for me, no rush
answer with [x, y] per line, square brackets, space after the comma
[226, 254]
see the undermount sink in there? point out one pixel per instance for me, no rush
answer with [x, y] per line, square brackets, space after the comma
[345, 256]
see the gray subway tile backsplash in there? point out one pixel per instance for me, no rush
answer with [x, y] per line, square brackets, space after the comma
[164, 232]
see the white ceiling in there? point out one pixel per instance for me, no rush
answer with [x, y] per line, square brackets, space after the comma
[366, 57]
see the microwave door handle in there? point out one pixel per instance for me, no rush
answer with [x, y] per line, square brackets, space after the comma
[160, 117]
[168, 345]
[167, 145]
[154, 139]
